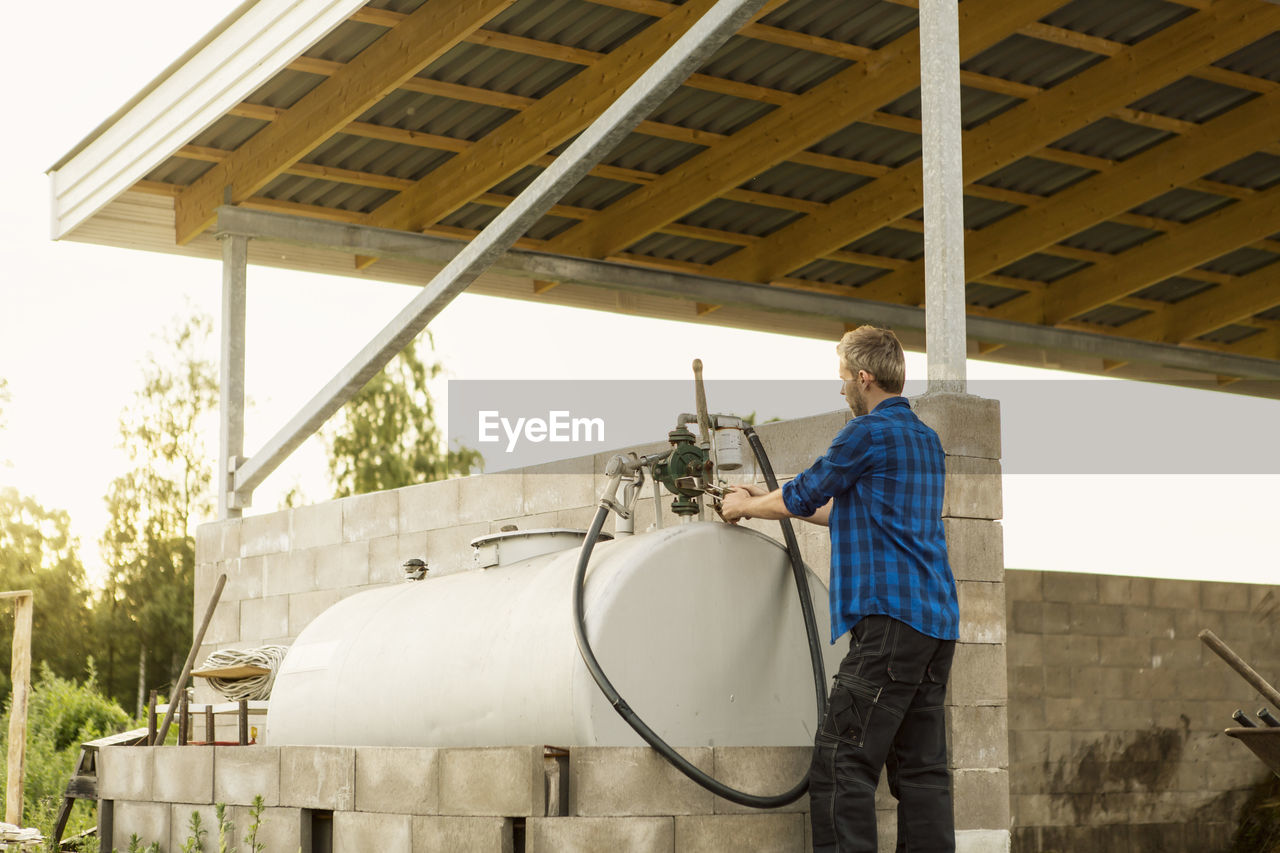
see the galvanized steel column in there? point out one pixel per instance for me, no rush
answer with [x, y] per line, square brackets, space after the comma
[943, 194]
[235, 266]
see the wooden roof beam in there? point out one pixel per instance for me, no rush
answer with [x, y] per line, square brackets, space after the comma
[1233, 302]
[1097, 91]
[432, 30]
[858, 91]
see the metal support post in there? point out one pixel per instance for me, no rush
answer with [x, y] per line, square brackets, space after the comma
[235, 267]
[943, 195]
[680, 60]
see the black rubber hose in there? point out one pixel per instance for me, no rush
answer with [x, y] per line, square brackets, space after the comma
[649, 735]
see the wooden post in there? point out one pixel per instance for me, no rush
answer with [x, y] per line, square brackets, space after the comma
[20, 674]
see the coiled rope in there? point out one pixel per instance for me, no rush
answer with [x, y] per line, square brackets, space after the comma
[251, 686]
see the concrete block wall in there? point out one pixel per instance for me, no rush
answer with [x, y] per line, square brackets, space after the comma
[1117, 710]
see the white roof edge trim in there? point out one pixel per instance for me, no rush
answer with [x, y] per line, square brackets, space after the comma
[266, 37]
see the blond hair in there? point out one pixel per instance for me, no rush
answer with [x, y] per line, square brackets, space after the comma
[877, 351]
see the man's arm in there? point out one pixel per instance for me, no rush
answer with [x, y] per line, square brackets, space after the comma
[754, 502]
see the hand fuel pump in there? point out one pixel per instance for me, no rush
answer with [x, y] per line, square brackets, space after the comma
[690, 470]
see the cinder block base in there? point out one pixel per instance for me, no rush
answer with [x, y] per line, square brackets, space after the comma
[242, 772]
[149, 821]
[764, 770]
[398, 779]
[504, 781]
[473, 834]
[318, 777]
[594, 834]
[360, 832]
[759, 833]
[183, 774]
[626, 781]
[124, 772]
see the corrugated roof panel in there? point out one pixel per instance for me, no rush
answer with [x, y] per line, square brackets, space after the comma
[345, 42]
[1257, 172]
[228, 132]
[687, 249]
[1032, 61]
[1241, 262]
[549, 227]
[1193, 99]
[473, 216]
[701, 110]
[868, 23]
[1112, 315]
[500, 70]
[740, 218]
[285, 89]
[1261, 59]
[574, 23]
[807, 182]
[1230, 334]
[651, 154]
[890, 243]
[344, 151]
[178, 170]
[1042, 267]
[432, 114]
[303, 190]
[1112, 138]
[1175, 289]
[1128, 22]
[774, 66]
[1271, 313]
[1182, 205]
[597, 193]
[838, 272]
[981, 212]
[1110, 237]
[977, 106]
[871, 144]
[1036, 176]
[989, 295]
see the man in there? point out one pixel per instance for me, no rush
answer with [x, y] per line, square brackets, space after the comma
[879, 488]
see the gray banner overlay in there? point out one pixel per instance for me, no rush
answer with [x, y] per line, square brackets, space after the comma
[1063, 426]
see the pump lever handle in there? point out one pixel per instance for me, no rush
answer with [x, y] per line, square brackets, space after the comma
[700, 391]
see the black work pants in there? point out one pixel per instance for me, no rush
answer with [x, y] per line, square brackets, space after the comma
[886, 708]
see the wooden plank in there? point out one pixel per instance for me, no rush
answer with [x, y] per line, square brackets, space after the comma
[534, 131]
[1229, 303]
[1095, 92]
[433, 29]
[238, 671]
[20, 681]
[854, 93]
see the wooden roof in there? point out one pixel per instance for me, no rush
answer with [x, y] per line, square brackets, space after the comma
[1122, 160]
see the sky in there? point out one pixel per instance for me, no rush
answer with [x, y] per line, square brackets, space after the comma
[1102, 476]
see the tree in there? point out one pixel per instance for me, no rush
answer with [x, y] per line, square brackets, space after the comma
[144, 616]
[386, 435]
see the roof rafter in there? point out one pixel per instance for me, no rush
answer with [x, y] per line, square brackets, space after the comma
[1233, 302]
[1152, 63]
[432, 30]
[858, 90]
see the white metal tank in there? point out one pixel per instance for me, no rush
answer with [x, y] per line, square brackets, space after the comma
[697, 625]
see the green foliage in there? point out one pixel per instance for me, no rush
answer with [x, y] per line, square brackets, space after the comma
[386, 435]
[61, 715]
[38, 552]
[255, 823]
[143, 619]
[225, 829]
[195, 841]
[135, 845]
[1259, 829]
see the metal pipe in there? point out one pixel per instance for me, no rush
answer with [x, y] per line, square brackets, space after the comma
[235, 261]
[1237, 663]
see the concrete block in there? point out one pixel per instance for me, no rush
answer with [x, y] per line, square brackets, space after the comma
[183, 774]
[341, 566]
[1071, 650]
[149, 821]
[978, 675]
[1025, 649]
[1230, 597]
[565, 484]
[983, 841]
[318, 777]
[594, 834]
[761, 770]
[180, 825]
[966, 425]
[1026, 682]
[125, 772]
[982, 616]
[370, 516]
[1124, 651]
[316, 526]
[1180, 595]
[760, 833]
[224, 627]
[1024, 585]
[429, 506]
[244, 580]
[624, 781]
[449, 549]
[306, 606]
[285, 574]
[502, 781]
[794, 445]
[975, 549]
[217, 541]
[1151, 622]
[973, 488]
[1070, 586]
[1181, 654]
[981, 799]
[264, 534]
[532, 521]
[1026, 714]
[1072, 713]
[264, 618]
[242, 772]
[979, 736]
[1039, 617]
[404, 780]
[485, 496]
[440, 833]
[1103, 620]
[1118, 590]
[361, 832]
[278, 829]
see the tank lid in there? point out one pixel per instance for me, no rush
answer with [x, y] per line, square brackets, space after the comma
[510, 546]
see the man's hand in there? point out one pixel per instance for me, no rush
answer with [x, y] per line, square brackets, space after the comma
[734, 506]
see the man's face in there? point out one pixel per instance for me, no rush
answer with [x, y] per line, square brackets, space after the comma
[851, 389]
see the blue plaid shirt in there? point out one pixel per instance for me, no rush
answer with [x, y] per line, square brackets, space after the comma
[888, 550]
